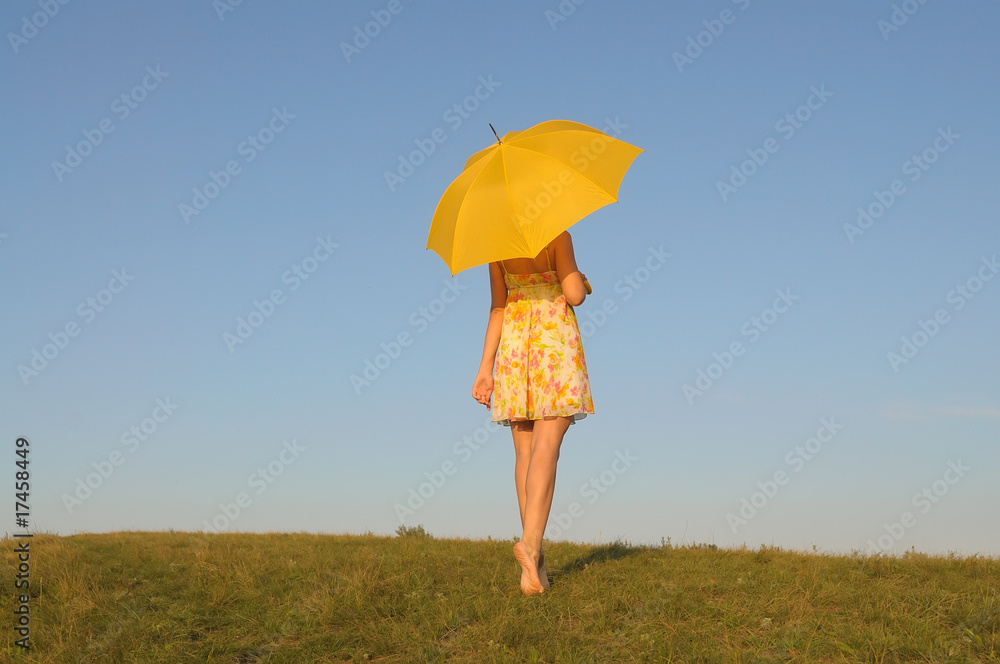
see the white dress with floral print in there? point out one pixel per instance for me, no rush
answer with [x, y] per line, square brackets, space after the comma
[540, 370]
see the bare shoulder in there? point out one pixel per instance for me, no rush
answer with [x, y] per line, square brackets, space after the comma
[563, 255]
[563, 241]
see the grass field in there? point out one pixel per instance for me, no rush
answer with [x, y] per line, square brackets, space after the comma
[242, 598]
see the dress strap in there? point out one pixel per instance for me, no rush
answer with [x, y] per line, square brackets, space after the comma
[547, 260]
[502, 269]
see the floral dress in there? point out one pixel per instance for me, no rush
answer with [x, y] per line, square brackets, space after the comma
[540, 370]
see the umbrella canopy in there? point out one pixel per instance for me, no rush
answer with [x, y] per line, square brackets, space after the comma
[515, 197]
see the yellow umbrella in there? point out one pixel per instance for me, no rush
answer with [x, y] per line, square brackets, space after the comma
[515, 197]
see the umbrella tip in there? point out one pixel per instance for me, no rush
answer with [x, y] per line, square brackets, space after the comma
[495, 133]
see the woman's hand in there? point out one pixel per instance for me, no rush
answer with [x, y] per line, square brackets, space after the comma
[482, 389]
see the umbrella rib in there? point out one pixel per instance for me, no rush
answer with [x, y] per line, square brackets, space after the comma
[571, 167]
[506, 185]
[471, 185]
[510, 196]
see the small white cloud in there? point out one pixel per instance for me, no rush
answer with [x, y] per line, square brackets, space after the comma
[990, 412]
[900, 410]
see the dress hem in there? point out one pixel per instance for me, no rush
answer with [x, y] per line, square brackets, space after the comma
[576, 416]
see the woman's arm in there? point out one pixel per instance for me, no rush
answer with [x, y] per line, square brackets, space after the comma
[482, 389]
[570, 277]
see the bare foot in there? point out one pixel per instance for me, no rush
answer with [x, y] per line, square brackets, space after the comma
[530, 584]
[543, 574]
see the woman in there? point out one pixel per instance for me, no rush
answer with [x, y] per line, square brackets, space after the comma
[541, 384]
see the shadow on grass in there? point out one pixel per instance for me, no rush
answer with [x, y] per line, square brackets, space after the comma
[600, 554]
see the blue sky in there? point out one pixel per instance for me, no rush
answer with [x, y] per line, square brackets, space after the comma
[123, 120]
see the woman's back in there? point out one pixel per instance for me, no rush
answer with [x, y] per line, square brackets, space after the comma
[543, 262]
[556, 257]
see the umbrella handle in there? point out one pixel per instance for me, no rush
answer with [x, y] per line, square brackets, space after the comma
[586, 284]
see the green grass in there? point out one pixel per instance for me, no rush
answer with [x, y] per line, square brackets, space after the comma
[242, 598]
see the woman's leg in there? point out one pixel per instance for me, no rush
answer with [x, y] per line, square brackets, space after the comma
[521, 432]
[539, 486]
